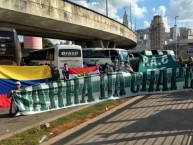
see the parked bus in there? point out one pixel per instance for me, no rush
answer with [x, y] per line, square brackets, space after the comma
[103, 55]
[57, 56]
[10, 49]
[134, 56]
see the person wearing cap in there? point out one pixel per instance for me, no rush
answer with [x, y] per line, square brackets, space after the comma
[17, 87]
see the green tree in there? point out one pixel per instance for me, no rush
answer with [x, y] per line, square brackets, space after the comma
[46, 43]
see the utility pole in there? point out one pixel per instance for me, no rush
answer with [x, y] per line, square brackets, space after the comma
[107, 8]
[130, 16]
[176, 35]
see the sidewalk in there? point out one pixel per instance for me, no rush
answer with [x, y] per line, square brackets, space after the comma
[162, 119]
[10, 126]
[13, 125]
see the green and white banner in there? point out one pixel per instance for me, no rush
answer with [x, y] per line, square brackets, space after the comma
[56, 95]
[153, 62]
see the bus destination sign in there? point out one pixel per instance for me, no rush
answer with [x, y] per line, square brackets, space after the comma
[69, 53]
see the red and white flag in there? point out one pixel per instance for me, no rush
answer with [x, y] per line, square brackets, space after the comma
[81, 72]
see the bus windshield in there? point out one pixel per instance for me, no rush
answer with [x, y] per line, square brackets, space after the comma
[10, 49]
[123, 55]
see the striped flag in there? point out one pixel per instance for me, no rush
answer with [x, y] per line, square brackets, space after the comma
[27, 75]
[81, 72]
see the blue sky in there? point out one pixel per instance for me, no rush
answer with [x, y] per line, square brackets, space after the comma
[144, 10]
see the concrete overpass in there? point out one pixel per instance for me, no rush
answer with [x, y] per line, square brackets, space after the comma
[63, 20]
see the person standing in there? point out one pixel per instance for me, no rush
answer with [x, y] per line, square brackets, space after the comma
[12, 105]
[116, 67]
[65, 72]
[55, 74]
[190, 62]
[100, 68]
[127, 68]
[108, 69]
[181, 62]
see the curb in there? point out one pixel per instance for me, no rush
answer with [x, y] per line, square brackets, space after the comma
[72, 130]
[44, 121]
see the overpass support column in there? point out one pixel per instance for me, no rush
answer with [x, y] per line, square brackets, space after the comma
[82, 44]
[106, 44]
[97, 43]
[112, 44]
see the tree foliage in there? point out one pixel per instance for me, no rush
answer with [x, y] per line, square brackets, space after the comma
[46, 43]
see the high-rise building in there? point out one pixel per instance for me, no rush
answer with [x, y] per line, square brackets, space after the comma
[143, 39]
[125, 19]
[185, 32]
[157, 32]
[174, 33]
[181, 33]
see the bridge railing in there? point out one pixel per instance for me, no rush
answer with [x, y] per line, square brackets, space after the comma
[67, 12]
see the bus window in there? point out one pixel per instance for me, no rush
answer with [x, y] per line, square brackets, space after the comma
[47, 54]
[86, 53]
[104, 55]
[10, 49]
[154, 52]
[58, 55]
[99, 53]
[164, 52]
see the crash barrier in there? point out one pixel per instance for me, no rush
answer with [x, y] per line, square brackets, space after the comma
[62, 94]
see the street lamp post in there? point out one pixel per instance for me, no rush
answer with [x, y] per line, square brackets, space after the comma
[107, 8]
[176, 34]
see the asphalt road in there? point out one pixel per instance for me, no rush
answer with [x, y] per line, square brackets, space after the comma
[165, 119]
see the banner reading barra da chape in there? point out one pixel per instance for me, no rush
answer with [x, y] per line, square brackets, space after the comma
[62, 94]
[154, 62]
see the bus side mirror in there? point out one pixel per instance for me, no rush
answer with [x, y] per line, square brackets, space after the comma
[128, 59]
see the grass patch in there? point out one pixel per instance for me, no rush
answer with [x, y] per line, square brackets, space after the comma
[32, 136]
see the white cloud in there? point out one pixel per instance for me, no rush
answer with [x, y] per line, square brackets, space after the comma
[183, 9]
[146, 24]
[165, 21]
[114, 7]
[153, 9]
[162, 11]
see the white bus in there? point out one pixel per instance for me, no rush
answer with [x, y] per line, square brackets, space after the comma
[57, 56]
[103, 55]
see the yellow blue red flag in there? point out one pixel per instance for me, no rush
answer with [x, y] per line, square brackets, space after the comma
[27, 75]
